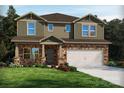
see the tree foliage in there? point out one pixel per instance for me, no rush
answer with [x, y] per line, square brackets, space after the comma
[2, 35]
[3, 51]
[9, 30]
[114, 32]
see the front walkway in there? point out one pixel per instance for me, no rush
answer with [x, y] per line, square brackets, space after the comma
[111, 74]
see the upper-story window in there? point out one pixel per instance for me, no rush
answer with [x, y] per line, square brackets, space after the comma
[85, 30]
[31, 28]
[89, 30]
[68, 27]
[50, 27]
[92, 30]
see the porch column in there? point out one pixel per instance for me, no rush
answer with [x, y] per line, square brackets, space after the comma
[16, 59]
[43, 54]
[16, 51]
[60, 49]
[60, 61]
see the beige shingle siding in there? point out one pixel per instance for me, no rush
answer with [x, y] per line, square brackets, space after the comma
[22, 28]
[78, 31]
[58, 31]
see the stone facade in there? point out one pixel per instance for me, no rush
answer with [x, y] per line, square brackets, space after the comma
[61, 54]
[29, 61]
[102, 47]
[41, 58]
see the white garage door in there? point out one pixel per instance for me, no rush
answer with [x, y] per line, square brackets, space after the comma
[85, 58]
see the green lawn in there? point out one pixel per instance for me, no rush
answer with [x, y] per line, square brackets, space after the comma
[48, 78]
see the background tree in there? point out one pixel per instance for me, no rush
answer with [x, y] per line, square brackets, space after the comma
[2, 35]
[9, 29]
[114, 32]
[3, 51]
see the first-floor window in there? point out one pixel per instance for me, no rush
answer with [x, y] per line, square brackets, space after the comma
[27, 53]
[35, 52]
[31, 53]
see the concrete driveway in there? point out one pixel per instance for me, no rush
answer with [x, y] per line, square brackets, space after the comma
[111, 74]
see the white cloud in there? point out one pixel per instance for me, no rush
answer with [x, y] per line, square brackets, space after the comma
[111, 17]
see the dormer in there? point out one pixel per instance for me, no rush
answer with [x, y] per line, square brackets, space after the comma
[89, 27]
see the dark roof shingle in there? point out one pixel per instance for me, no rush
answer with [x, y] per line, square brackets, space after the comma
[37, 39]
[27, 39]
[90, 41]
[59, 17]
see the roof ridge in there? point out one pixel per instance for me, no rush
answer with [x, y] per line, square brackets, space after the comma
[59, 13]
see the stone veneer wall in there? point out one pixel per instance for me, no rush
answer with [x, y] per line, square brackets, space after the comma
[65, 47]
[28, 45]
[39, 60]
[86, 47]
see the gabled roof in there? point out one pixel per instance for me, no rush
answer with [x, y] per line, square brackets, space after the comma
[18, 18]
[90, 15]
[86, 41]
[26, 39]
[52, 38]
[58, 17]
[36, 39]
[40, 40]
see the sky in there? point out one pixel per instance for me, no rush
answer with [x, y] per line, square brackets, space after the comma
[108, 12]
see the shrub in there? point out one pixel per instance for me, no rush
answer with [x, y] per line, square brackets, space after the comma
[120, 64]
[66, 64]
[40, 65]
[63, 67]
[27, 62]
[2, 64]
[33, 65]
[112, 63]
[44, 66]
[12, 65]
[73, 69]
[53, 66]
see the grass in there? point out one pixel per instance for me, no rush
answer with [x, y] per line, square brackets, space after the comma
[48, 78]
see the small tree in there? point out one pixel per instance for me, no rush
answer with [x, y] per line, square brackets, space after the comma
[3, 51]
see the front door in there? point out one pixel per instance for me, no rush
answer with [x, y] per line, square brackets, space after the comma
[50, 56]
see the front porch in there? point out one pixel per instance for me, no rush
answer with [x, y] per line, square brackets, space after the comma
[38, 54]
[48, 51]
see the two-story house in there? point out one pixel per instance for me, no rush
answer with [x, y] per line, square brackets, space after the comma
[58, 38]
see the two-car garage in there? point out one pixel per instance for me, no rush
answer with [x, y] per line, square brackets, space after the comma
[85, 58]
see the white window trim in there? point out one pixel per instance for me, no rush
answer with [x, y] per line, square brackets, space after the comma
[93, 30]
[30, 52]
[35, 53]
[48, 27]
[89, 25]
[70, 28]
[85, 30]
[26, 53]
[31, 21]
